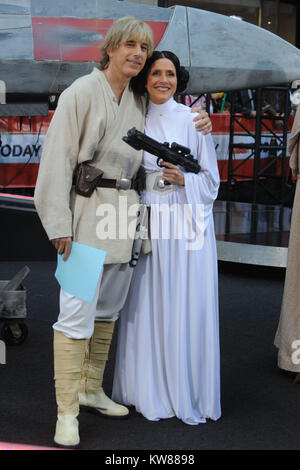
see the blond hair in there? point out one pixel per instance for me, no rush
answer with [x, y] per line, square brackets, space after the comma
[124, 29]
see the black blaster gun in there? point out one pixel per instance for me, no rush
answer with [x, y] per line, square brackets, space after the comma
[175, 154]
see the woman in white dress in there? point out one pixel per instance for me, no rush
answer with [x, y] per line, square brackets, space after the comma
[168, 360]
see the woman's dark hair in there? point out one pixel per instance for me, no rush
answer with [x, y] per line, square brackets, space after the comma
[138, 83]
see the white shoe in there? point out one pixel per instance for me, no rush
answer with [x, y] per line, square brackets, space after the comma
[100, 403]
[66, 432]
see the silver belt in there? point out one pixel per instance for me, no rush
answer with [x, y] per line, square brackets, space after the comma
[156, 184]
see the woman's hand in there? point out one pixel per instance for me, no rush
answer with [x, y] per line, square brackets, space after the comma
[63, 246]
[172, 173]
[203, 122]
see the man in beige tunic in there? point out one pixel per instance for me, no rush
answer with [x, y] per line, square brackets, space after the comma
[287, 337]
[92, 116]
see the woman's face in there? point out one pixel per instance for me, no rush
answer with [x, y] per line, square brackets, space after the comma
[161, 81]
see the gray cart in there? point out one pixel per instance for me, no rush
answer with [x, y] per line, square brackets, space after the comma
[13, 329]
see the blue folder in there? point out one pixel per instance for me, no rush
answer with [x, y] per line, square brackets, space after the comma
[79, 274]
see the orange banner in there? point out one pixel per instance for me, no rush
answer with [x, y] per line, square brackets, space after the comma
[22, 142]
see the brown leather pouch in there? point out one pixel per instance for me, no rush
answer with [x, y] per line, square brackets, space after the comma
[87, 178]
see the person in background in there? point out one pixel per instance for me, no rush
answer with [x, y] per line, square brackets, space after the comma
[287, 338]
[244, 103]
[215, 101]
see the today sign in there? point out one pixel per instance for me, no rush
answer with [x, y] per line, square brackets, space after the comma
[21, 148]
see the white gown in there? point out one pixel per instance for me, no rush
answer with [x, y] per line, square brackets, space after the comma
[167, 361]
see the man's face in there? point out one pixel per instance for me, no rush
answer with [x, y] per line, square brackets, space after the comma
[128, 59]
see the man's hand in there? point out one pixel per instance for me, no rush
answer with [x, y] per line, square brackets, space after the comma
[203, 122]
[63, 246]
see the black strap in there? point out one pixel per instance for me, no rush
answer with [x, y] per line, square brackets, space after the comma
[137, 183]
[110, 183]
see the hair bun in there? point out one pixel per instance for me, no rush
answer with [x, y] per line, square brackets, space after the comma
[183, 79]
[138, 83]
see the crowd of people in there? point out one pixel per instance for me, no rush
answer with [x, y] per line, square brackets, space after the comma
[168, 358]
[244, 102]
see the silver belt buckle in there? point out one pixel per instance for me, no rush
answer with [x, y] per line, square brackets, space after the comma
[161, 185]
[123, 183]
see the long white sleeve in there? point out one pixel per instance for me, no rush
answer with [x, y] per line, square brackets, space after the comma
[202, 188]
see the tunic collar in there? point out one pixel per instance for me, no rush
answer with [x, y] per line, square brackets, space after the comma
[101, 76]
[162, 109]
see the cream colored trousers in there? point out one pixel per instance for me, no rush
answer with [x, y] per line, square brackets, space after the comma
[77, 317]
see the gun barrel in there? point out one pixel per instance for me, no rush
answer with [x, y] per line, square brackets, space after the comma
[175, 155]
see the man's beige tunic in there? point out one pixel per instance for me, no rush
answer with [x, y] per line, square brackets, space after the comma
[288, 332]
[89, 124]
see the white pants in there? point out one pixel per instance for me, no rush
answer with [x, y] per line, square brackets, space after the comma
[77, 317]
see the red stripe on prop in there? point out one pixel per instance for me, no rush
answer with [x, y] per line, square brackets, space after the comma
[76, 39]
